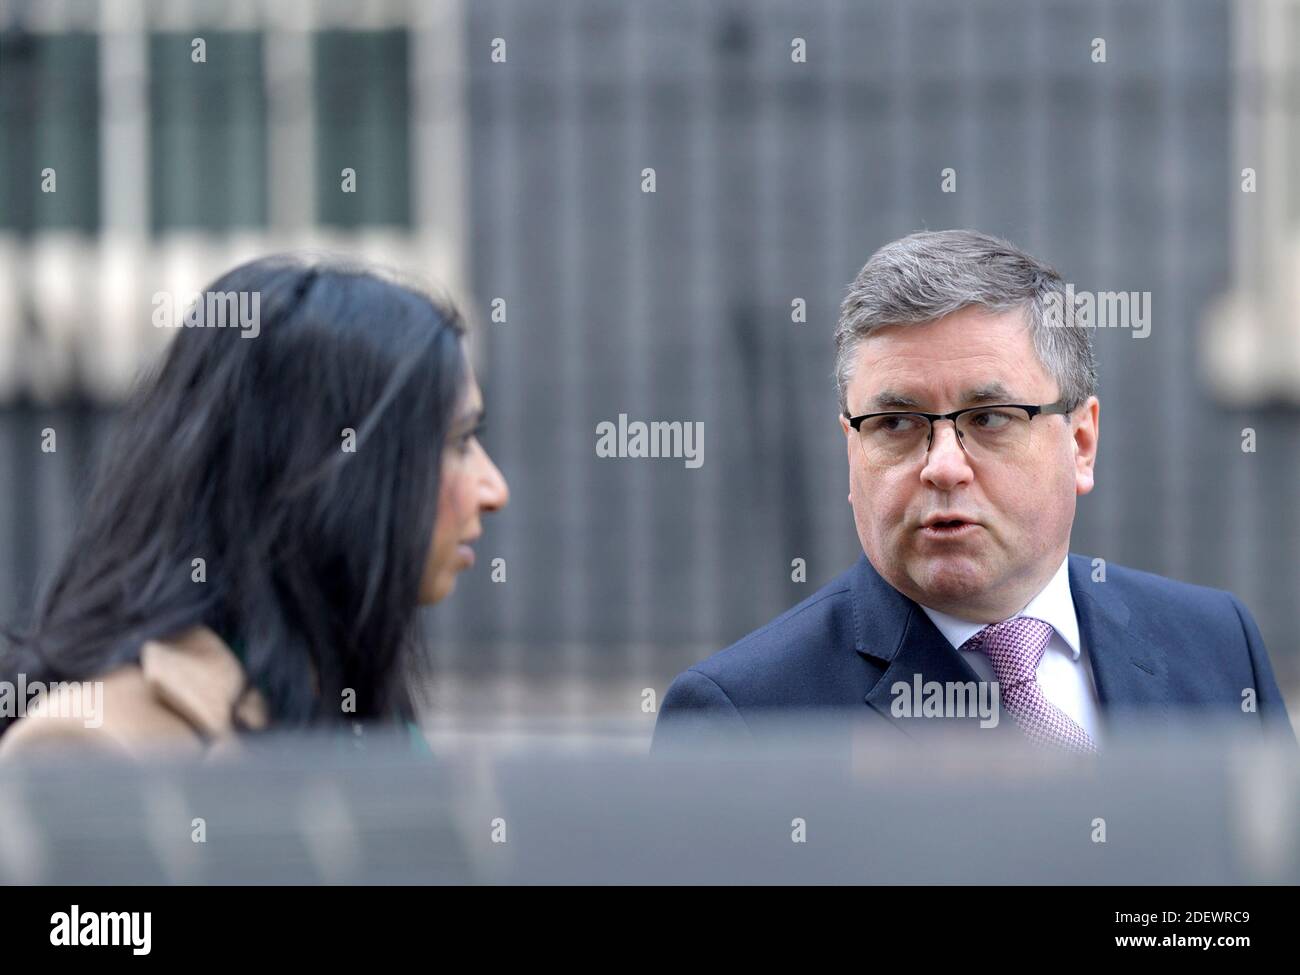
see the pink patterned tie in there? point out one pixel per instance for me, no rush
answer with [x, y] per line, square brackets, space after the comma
[1015, 647]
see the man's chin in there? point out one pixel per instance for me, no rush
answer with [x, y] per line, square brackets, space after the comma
[949, 578]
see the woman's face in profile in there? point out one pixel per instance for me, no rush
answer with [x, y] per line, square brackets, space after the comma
[469, 484]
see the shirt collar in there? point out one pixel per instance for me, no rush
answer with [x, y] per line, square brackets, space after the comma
[1054, 604]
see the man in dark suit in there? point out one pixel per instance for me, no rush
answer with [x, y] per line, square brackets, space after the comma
[968, 404]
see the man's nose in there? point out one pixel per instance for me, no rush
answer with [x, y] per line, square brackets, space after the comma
[946, 464]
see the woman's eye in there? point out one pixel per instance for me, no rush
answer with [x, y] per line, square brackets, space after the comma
[464, 441]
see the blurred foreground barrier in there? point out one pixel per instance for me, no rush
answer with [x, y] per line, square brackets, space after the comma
[588, 806]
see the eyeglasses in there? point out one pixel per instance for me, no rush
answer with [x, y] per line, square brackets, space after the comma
[983, 432]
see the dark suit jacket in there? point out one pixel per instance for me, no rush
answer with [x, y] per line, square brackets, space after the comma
[1159, 650]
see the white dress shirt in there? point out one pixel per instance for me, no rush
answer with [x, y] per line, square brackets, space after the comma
[1065, 673]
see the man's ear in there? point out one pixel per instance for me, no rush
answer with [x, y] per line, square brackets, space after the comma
[1085, 429]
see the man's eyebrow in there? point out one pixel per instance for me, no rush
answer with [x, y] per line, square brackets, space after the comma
[889, 399]
[993, 392]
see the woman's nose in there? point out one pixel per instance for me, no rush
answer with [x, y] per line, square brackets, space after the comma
[495, 493]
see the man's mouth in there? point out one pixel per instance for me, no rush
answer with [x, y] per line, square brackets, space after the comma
[948, 528]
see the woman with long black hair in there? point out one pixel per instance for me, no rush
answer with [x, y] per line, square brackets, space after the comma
[275, 506]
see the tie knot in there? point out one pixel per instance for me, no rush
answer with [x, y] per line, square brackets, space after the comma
[1014, 647]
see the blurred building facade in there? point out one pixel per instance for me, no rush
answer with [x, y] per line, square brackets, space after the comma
[501, 150]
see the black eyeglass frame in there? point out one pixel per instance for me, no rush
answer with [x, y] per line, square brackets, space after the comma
[1060, 406]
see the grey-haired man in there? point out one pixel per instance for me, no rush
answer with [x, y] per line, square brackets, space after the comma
[970, 418]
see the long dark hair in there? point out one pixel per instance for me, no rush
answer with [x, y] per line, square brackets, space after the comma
[236, 453]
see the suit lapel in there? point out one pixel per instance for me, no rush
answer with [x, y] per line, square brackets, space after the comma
[895, 634]
[1131, 673]
[1129, 670]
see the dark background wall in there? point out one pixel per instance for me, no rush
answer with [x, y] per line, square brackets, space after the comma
[776, 181]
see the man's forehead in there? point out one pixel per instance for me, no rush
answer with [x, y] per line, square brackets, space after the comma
[970, 357]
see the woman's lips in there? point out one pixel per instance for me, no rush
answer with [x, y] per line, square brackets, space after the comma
[466, 554]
